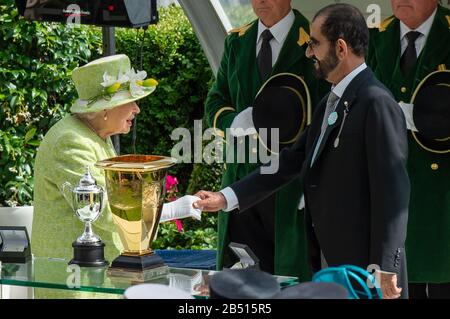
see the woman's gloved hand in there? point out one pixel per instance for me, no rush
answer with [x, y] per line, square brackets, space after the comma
[180, 208]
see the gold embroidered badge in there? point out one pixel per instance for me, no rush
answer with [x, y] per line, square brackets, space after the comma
[241, 29]
[303, 37]
[385, 24]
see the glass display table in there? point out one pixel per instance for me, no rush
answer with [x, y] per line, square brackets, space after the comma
[55, 273]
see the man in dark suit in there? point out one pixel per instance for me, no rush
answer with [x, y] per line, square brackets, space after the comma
[352, 160]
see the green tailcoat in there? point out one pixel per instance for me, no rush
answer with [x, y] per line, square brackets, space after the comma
[428, 239]
[235, 88]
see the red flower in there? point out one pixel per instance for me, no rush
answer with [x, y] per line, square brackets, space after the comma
[171, 182]
[171, 189]
[179, 225]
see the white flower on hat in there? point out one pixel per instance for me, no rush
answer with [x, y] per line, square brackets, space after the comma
[136, 82]
[123, 78]
[112, 83]
[108, 80]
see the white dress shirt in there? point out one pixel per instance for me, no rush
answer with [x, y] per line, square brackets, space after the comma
[279, 31]
[424, 29]
[339, 89]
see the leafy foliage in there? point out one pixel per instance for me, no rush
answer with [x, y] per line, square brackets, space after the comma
[35, 91]
[240, 14]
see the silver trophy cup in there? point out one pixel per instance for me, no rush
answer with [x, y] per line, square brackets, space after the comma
[86, 200]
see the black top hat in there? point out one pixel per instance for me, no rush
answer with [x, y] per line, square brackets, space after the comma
[314, 290]
[431, 112]
[246, 283]
[283, 102]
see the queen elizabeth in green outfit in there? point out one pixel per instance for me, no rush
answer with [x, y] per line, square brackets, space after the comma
[107, 89]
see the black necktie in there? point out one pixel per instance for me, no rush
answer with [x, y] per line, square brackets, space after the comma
[265, 55]
[409, 57]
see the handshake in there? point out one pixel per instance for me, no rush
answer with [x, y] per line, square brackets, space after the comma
[180, 208]
[192, 206]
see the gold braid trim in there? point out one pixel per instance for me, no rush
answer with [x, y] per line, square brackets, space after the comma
[303, 37]
[385, 24]
[216, 116]
[241, 29]
[427, 148]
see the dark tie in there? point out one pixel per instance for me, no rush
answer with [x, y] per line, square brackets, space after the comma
[409, 57]
[265, 55]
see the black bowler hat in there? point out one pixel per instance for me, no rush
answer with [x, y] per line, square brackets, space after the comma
[283, 102]
[314, 290]
[246, 283]
[431, 112]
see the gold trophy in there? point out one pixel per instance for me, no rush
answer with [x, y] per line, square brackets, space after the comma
[135, 185]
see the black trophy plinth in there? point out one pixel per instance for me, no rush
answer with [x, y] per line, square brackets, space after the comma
[137, 263]
[89, 255]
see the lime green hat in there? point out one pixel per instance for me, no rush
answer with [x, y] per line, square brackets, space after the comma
[109, 82]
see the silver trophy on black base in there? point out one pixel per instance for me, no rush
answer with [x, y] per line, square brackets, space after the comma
[86, 200]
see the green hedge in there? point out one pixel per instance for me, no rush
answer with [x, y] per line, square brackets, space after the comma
[36, 60]
[36, 91]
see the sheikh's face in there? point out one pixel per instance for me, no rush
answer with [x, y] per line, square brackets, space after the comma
[321, 51]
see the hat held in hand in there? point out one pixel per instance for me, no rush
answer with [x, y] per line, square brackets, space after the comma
[282, 103]
[431, 112]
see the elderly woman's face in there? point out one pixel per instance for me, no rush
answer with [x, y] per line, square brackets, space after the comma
[120, 118]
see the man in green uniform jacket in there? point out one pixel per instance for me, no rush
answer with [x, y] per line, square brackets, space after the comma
[428, 239]
[275, 229]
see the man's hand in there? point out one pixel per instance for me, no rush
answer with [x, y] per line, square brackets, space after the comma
[388, 283]
[210, 201]
[180, 208]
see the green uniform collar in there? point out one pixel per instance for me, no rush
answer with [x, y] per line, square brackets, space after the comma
[244, 48]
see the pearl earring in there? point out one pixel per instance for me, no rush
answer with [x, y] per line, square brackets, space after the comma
[106, 116]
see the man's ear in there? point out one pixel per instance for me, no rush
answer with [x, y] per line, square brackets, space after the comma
[341, 49]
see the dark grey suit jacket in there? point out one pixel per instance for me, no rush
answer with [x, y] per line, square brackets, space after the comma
[357, 193]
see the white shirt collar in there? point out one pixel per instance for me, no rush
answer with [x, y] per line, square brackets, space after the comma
[424, 28]
[279, 30]
[340, 88]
